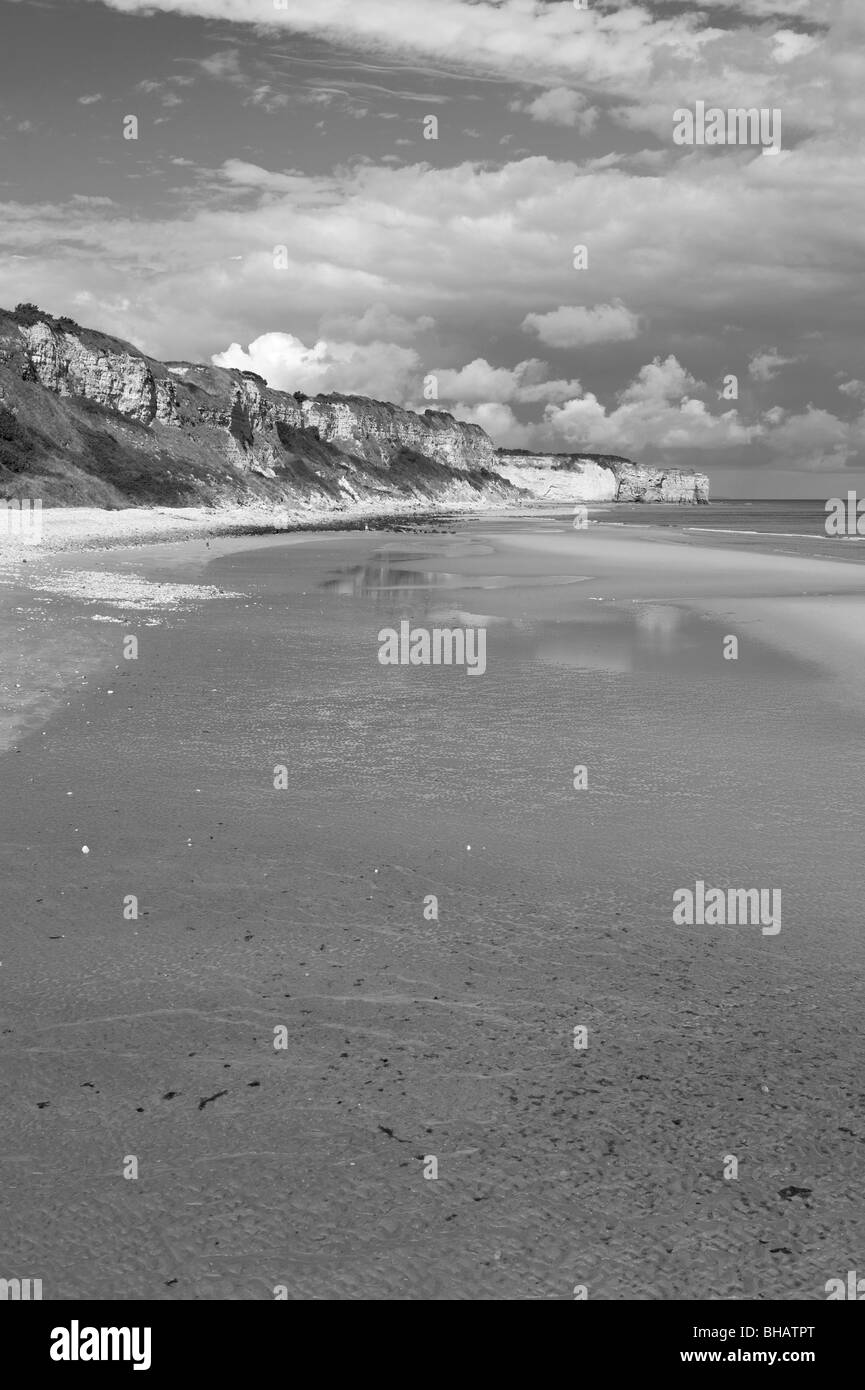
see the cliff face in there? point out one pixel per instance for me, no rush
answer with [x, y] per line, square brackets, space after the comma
[373, 430]
[86, 418]
[93, 420]
[150, 391]
[641, 484]
[598, 478]
[540, 475]
[121, 380]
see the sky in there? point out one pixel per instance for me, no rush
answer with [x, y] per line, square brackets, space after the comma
[282, 208]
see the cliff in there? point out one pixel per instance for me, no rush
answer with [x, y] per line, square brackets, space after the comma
[87, 419]
[598, 478]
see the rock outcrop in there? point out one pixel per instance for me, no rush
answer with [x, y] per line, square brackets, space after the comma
[87, 418]
[121, 380]
[598, 478]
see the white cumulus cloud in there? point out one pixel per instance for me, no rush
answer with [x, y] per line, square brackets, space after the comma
[385, 371]
[658, 409]
[478, 382]
[573, 325]
[561, 106]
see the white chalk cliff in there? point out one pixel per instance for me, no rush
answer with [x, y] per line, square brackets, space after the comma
[596, 478]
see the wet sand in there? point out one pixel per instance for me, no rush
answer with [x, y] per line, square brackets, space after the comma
[303, 908]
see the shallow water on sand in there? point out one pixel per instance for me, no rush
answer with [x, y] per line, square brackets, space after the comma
[408, 1038]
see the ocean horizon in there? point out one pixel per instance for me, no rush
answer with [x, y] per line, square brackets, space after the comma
[746, 516]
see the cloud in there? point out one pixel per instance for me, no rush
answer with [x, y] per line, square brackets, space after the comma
[659, 408]
[225, 66]
[375, 323]
[765, 366]
[771, 9]
[560, 106]
[645, 60]
[451, 261]
[576, 326]
[222, 65]
[245, 175]
[384, 371]
[816, 441]
[660, 414]
[499, 421]
[263, 95]
[509, 37]
[788, 45]
[479, 383]
[90, 100]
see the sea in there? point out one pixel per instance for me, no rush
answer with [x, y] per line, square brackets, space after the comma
[794, 516]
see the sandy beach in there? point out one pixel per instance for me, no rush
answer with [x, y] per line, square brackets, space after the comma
[301, 1167]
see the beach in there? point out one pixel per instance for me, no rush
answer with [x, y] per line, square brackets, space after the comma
[236, 1094]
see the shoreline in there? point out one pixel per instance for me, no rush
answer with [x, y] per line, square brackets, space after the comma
[97, 528]
[71, 530]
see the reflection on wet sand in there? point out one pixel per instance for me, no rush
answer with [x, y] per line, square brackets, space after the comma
[381, 576]
[661, 637]
[387, 574]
